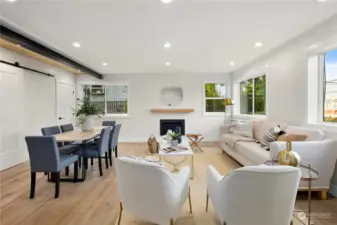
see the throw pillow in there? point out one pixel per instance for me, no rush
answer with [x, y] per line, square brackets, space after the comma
[293, 137]
[244, 130]
[271, 135]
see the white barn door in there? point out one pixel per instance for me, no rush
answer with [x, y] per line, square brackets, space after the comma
[11, 117]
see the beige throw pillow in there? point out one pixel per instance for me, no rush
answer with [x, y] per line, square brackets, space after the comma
[293, 137]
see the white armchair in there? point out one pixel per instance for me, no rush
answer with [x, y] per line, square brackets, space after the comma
[150, 192]
[321, 155]
[254, 195]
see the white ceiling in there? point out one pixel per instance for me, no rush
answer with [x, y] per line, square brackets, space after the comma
[129, 35]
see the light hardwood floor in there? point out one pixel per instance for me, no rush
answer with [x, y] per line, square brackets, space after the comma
[96, 201]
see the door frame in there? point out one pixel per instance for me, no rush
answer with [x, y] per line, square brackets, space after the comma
[57, 89]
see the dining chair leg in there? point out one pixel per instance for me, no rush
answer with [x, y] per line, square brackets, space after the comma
[75, 171]
[57, 184]
[86, 162]
[91, 161]
[116, 151]
[110, 156]
[120, 213]
[189, 199]
[100, 166]
[32, 184]
[67, 171]
[207, 198]
[106, 160]
[79, 162]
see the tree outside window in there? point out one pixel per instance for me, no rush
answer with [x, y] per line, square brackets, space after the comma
[253, 96]
[215, 93]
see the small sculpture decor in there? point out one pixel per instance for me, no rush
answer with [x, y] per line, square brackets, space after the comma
[288, 157]
[153, 145]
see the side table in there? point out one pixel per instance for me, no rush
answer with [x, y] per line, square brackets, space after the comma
[308, 174]
[195, 139]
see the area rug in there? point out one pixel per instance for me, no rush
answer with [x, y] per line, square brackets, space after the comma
[210, 156]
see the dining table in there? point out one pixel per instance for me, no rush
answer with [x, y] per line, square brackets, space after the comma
[81, 138]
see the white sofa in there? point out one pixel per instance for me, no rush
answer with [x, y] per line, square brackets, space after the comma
[316, 150]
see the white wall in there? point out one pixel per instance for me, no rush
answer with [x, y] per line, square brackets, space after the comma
[287, 77]
[145, 93]
[38, 97]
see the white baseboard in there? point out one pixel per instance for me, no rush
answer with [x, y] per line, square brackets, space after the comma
[10, 159]
[333, 190]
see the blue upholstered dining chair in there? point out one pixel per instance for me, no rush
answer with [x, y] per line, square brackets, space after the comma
[45, 157]
[99, 150]
[113, 142]
[110, 123]
[67, 127]
[64, 149]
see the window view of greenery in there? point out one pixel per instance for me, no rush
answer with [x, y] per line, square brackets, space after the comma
[109, 99]
[215, 94]
[246, 97]
[260, 95]
[253, 96]
[330, 87]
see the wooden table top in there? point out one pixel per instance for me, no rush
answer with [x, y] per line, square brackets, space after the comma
[78, 135]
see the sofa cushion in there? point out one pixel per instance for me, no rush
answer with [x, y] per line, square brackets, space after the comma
[312, 133]
[243, 129]
[253, 152]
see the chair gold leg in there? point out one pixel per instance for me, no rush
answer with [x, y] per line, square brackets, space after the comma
[171, 221]
[120, 213]
[189, 199]
[207, 197]
[291, 223]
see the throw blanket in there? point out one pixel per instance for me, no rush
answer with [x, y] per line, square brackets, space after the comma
[232, 139]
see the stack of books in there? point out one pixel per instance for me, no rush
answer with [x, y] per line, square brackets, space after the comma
[174, 149]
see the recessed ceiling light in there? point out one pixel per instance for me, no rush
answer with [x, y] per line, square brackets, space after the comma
[231, 63]
[11, 1]
[167, 45]
[166, 1]
[104, 64]
[321, 0]
[167, 63]
[258, 44]
[77, 44]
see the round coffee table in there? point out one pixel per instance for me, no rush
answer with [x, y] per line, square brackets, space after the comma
[307, 174]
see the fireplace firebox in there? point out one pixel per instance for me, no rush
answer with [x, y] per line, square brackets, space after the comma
[172, 125]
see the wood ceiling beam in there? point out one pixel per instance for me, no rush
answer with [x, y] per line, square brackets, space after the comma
[16, 42]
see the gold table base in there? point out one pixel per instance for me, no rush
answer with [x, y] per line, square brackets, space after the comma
[176, 164]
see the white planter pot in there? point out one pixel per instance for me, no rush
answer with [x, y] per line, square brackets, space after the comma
[88, 124]
[174, 143]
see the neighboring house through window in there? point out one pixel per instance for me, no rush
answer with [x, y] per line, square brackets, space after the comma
[110, 99]
[330, 87]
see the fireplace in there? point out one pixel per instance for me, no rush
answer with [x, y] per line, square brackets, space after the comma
[172, 125]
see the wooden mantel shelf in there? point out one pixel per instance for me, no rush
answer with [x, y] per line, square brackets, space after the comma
[172, 110]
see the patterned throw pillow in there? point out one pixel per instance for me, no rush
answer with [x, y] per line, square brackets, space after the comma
[271, 135]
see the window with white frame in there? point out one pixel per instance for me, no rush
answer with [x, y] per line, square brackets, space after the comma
[329, 76]
[253, 96]
[110, 99]
[214, 96]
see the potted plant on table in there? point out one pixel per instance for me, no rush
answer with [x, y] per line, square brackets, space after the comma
[175, 138]
[86, 112]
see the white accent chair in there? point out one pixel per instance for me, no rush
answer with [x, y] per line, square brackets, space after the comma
[254, 195]
[151, 192]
